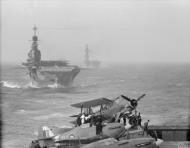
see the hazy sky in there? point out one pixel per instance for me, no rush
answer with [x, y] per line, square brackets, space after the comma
[115, 30]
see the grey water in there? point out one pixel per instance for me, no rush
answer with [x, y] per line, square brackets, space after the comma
[25, 107]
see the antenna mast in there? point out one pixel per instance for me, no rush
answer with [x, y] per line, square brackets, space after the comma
[87, 56]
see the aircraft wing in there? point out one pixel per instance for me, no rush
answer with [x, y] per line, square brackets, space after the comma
[92, 103]
[78, 140]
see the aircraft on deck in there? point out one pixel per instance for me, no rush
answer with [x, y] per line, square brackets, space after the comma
[113, 135]
[85, 136]
[118, 107]
[147, 142]
[80, 135]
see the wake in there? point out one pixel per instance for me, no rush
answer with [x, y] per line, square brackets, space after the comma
[14, 85]
[9, 84]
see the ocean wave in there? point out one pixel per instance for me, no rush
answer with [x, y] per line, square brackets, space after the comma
[26, 112]
[102, 82]
[55, 85]
[29, 85]
[10, 84]
[88, 85]
[32, 85]
[21, 111]
[49, 116]
[38, 85]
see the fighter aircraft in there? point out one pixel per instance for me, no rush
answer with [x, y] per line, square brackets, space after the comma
[109, 108]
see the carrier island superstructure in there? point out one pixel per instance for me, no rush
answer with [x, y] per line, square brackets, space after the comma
[48, 71]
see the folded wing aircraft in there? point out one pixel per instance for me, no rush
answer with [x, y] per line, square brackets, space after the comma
[110, 108]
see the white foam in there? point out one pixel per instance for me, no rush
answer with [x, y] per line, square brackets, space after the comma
[49, 116]
[55, 85]
[29, 85]
[21, 111]
[32, 85]
[10, 84]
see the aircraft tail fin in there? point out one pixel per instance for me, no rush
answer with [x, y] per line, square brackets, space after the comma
[45, 132]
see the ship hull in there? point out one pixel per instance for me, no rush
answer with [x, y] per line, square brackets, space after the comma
[64, 78]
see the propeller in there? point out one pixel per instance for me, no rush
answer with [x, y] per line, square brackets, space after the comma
[126, 98]
[141, 97]
[133, 102]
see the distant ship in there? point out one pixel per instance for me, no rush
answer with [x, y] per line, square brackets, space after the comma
[49, 71]
[90, 63]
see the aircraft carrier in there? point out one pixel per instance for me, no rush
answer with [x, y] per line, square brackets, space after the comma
[90, 64]
[48, 71]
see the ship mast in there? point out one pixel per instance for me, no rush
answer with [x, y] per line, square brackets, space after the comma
[35, 29]
[87, 56]
[35, 37]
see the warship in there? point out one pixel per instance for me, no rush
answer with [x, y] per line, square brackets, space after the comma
[90, 64]
[48, 71]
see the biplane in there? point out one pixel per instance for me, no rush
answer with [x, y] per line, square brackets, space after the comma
[118, 107]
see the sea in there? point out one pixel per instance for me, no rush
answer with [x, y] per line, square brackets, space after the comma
[25, 106]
